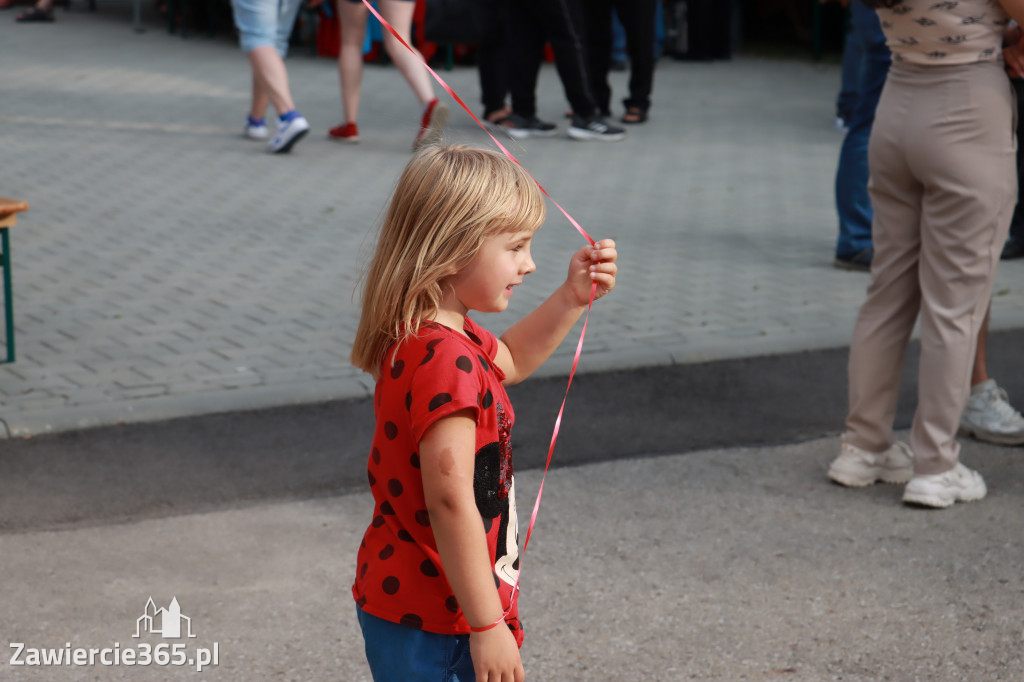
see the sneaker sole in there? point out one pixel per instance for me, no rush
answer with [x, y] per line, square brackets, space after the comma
[990, 436]
[858, 479]
[855, 267]
[287, 146]
[580, 134]
[941, 500]
[343, 140]
[522, 134]
[434, 131]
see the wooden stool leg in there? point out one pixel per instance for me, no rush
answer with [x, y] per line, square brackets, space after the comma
[5, 261]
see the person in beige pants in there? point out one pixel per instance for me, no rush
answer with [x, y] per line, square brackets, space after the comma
[943, 186]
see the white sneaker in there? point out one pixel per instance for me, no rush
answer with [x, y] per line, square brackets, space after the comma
[288, 133]
[256, 129]
[856, 468]
[959, 484]
[989, 416]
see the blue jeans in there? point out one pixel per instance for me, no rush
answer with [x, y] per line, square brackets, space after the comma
[853, 60]
[397, 653]
[265, 23]
[852, 202]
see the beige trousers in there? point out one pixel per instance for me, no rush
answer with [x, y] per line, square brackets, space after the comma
[943, 187]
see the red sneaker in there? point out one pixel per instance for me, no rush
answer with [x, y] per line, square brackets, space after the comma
[435, 118]
[346, 132]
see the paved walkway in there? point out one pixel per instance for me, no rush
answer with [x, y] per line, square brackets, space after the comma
[168, 267]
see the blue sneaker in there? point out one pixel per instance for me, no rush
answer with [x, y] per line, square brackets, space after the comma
[290, 129]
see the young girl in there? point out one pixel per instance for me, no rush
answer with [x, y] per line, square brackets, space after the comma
[440, 557]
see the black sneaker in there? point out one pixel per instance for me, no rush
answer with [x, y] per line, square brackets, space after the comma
[595, 128]
[858, 261]
[520, 127]
[1013, 249]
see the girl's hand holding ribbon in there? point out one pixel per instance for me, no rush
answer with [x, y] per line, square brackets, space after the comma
[593, 268]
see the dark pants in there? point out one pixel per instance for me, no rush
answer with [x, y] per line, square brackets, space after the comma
[1017, 224]
[493, 56]
[531, 23]
[638, 19]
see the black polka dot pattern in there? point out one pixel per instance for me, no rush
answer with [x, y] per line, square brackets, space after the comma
[423, 518]
[386, 508]
[391, 585]
[378, 521]
[428, 569]
[375, 455]
[390, 430]
[395, 487]
[414, 460]
[397, 368]
[431, 345]
[452, 604]
[487, 400]
[439, 400]
[411, 620]
[387, 552]
[464, 364]
[405, 536]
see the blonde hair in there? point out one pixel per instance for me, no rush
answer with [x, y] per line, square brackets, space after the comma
[449, 199]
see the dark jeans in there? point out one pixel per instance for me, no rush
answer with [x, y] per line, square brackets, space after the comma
[638, 19]
[1017, 224]
[531, 23]
[852, 201]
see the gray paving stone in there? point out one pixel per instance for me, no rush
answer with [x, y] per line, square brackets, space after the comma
[163, 250]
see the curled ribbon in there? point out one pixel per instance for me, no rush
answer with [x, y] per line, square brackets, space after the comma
[586, 319]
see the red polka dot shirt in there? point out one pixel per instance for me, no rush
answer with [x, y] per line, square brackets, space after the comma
[399, 576]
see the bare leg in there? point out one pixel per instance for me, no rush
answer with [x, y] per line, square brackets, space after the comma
[259, 99]
[979, 373]
[399, 15]
[350, 58]
[271, 78]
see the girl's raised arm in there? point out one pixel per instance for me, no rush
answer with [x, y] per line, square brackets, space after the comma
[531, 340]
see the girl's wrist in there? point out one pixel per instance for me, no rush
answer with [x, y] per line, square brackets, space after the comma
[485, 628]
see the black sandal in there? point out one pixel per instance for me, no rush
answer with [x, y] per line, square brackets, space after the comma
[634, 115]
[35, 14]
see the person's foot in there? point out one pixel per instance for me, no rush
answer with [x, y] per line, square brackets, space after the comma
[256, 128]
[35, 14]
[521, 127]
[959, 484]
[291, 128]
[858, 261]
[346, 132]
[497, 116]
[634, 115]
[989, 417]
[435, 118]
[856, 468]
[595, 128]
[1013, 249]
